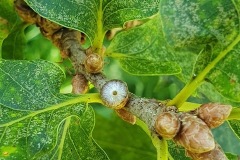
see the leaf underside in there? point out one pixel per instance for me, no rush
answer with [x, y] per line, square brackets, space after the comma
[143, 51]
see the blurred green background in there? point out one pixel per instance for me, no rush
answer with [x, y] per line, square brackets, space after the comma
[121, 141]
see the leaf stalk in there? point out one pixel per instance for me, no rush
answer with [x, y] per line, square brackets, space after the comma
[99, 37]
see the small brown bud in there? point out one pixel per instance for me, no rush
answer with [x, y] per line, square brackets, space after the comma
[93, 63]
[215, 154]
[214, 114]
[195, 135]
[126, 116]
[167, 125]
[79, 84]
[114, 94]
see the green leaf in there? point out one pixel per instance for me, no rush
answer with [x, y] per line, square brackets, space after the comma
[31, 85]
[210, 29]
[226, 76]
[8, 12]
[207, 90]
[225, 79]
[177, 152]
[56, 133]
[94, 17]
[199, 22]
[12, 39]
[235, 125]
[3, 32]
[13, 46]
[225, 136]
[143, 51]
[148, 68]
[36, 122]
[203, 59]
[7, 18]
[121, 141]
[232, 156]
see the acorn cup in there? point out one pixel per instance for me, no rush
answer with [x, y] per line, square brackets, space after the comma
[114, 94]
[215, 154]
[194, 135]
[167, 124]
[214, 114]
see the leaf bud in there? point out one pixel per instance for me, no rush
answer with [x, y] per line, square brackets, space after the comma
[93, 63]
[167, 124]
[114, 94]
[215, 154]
[126, 116]
[79, 84]
[194, 135]
[214, 114]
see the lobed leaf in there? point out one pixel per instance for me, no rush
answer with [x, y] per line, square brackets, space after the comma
[211, 30]
[143, 51]
[226, 76]
[93, 17]
[199, 22]
[36, 122]
[59, 133]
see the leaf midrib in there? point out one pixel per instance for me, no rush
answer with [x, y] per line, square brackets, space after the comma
[188, 90]
[88, 98]
[65, 129]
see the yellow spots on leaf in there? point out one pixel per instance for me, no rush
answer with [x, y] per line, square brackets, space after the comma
[7, 151]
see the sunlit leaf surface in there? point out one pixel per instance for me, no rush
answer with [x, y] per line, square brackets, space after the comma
[36, 122]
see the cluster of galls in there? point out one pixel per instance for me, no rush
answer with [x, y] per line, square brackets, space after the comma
[192, 130]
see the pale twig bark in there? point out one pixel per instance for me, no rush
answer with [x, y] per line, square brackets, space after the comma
[143, 108]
